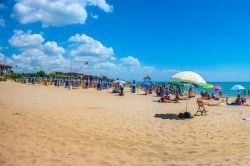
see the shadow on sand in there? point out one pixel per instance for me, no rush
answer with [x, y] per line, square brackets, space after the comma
[167, 116]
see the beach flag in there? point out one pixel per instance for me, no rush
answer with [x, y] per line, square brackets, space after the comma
[86, 63]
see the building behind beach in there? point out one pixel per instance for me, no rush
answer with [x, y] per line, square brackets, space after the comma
[5, 69]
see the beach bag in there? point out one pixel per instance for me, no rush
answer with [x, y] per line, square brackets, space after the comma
[181, 115]
[187, 115]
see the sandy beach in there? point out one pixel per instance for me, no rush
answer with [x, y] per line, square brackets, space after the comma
[53, 126]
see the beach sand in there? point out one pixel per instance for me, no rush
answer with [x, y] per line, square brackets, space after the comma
[53, 126]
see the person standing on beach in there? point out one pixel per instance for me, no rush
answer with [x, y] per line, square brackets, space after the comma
[121, 88]
[220, 93]
[245, 92]
[133, 87]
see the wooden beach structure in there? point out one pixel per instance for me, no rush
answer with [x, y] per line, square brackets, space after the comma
[5, 69]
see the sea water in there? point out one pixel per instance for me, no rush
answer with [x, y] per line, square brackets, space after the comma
[226, 86]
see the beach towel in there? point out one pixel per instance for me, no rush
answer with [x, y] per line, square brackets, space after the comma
[246, 119]
[234, 104]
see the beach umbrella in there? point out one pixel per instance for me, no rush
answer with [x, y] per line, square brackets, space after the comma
[119, 82]
[189, 77]
[147, 83]
[238, 87]
[217, 88]
[176, 83]
[208, 86]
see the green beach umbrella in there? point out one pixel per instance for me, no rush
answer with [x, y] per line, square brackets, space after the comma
[209, 86]
[176, 83]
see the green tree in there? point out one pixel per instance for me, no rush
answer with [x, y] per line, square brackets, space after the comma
[41, 74]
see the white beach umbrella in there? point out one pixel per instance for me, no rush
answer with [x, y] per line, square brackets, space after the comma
[189, 77]
[119, 82]
[238, 87]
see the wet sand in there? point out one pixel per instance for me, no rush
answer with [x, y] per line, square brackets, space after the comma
[53, 126]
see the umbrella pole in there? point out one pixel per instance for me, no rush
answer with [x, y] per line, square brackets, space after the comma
[187, 100]
[186, 106]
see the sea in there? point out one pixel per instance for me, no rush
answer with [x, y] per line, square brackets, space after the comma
[226, 86]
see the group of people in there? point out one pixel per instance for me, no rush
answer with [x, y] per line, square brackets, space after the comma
[162, 90]
[246, 92]
[238, 101]
[206, 96]
[172, 94]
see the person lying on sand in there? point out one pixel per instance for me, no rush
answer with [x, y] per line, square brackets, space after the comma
[238, 101]
[214, 97]
[167, 99]
[184, 97]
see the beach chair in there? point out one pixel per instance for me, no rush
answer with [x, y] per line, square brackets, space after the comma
[201, 107]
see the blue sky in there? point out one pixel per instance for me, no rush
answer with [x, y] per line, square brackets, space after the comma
[129, 39]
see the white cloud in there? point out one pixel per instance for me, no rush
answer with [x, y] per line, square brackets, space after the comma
[36, 53]
[130, 61]
[106, 66]
[113, 58]
[56, 12]
[1, 57]
[34, 57]
[4, 59]
[51, 48]
[102, 4]
[149, 68]
[84, 45]
[94, 16]
[22, 39]
[2, 22]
